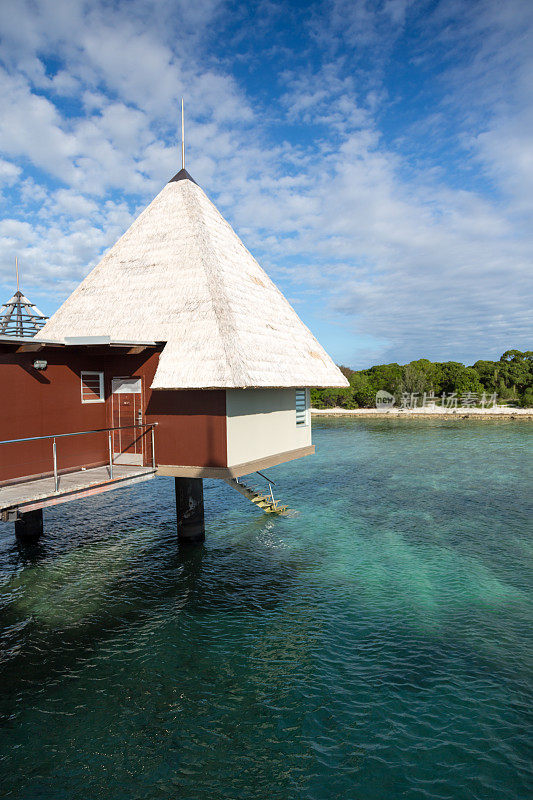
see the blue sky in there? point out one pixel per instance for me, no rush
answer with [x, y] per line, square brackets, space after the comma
[376, 157]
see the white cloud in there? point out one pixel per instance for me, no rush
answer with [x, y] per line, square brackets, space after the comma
[56, 249]
[395, 247]
[9, 172]
[76, 205]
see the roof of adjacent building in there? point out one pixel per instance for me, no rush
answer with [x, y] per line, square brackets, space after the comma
[20, 317]
[181, 275]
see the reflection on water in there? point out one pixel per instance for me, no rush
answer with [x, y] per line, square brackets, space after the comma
[375, 644]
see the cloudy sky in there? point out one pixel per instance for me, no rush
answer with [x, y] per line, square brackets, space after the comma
[375, 156]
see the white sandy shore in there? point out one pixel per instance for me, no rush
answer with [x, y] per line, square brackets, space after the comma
[498, 411]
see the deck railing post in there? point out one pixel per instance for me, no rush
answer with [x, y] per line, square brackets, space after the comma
[153, 448]
[54, 454]
[110, 456]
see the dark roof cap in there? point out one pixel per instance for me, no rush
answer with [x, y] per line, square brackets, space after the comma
[182, 175]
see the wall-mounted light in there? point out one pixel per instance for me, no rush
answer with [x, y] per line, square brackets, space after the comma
[40, 364]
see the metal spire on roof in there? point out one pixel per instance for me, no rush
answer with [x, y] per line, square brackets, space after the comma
[19, 317]
[182, 175]
[182, 136]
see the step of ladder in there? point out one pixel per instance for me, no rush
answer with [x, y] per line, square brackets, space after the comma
[258, 498]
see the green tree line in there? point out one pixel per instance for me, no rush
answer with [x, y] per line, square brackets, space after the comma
[510, 378]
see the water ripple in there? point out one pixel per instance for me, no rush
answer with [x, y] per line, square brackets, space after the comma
[375, 645]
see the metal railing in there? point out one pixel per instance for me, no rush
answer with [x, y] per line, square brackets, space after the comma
[109, 431]
[270, 482]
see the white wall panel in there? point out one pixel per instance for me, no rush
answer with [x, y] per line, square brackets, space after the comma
[261, 423]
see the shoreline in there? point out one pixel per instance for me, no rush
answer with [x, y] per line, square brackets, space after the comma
[426, 413]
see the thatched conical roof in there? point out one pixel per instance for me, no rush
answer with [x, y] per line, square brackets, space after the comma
[181, 275]
[19, 317]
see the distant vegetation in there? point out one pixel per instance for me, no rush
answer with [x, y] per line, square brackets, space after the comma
[510, 378]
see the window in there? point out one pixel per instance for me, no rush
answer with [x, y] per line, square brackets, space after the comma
[301, 407]
[126, 386]
[92, 387]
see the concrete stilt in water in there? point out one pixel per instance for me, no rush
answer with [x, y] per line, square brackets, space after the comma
[29, 525]
[190, 510]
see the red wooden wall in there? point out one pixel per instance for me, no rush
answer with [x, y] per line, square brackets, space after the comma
[191, 426]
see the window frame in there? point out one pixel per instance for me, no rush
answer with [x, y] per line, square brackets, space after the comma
[101, 393]
[302, 423]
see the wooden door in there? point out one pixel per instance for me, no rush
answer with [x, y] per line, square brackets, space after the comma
[128, 441]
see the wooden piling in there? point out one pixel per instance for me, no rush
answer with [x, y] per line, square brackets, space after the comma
[29, 526]
[190, 510]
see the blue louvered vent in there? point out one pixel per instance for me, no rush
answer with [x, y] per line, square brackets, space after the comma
[301, 406]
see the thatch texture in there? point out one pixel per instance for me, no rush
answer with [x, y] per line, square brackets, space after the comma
[181, 275]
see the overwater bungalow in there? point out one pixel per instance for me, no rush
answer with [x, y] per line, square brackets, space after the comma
[177, 350]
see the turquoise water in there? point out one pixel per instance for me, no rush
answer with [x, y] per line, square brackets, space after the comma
[375, 644]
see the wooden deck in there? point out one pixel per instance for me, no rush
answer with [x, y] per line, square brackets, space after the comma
[17, 498]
